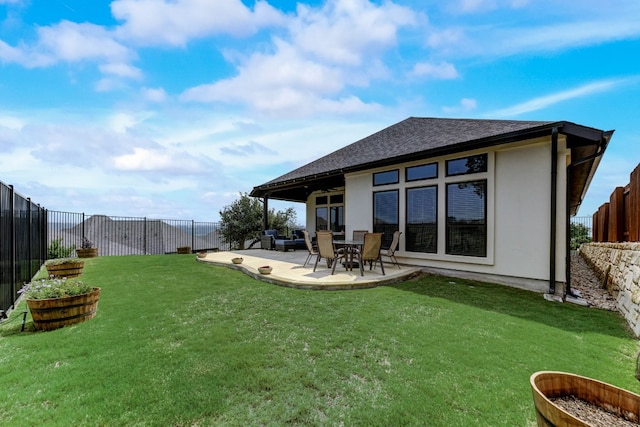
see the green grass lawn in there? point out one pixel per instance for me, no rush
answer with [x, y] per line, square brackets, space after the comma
[177, 342]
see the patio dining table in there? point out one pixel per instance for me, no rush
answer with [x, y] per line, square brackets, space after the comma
[349, 246]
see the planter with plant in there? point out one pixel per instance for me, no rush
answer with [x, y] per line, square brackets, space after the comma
[64, 267]
[87, 250]
[55, 302]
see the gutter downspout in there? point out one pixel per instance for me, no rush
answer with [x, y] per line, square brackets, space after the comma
[599, 152]
[553, 213]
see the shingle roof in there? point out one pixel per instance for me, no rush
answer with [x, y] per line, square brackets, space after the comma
[411, 139]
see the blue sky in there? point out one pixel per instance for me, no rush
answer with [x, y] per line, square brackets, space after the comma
[171, 108]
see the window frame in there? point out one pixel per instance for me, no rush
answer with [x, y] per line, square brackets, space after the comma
[449, 161]
[407, 168]
[382, 173]
[387, 229]
[409, 243]
[450, 227]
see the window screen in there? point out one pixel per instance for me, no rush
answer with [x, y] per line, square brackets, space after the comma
[422, 214]
[385, 214]
[467, 218]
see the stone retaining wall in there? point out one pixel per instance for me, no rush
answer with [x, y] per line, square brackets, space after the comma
[617, 265]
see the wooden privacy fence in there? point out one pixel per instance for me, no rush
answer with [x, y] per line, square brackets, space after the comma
[619, 219]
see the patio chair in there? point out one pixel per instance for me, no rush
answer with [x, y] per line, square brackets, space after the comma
[312, 251]
[268, 239]
[359, 234]
[327, 250]
[371, 251]
[390, 252]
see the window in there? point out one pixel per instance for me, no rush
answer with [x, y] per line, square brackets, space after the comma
[467, 165]
[422, 214]
[385, 214]
[415, 173]
[337, 219]
[322, 218]
[336, 198]
[330, 216]
[388, 177]
[467, 218]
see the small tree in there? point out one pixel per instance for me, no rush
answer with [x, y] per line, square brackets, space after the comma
[242, 221]
[580, 234]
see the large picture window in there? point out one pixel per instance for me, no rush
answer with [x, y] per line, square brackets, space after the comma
[385, 214]
[467, 218]
[422, 225]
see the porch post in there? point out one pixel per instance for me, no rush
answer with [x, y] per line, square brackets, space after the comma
[265, 213]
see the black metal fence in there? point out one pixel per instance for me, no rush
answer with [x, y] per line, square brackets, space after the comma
[114, 235]
[23, 244]
[29, 235]
[581, 231]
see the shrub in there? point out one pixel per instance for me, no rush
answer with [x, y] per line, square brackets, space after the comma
[54, 288]
[58, 250]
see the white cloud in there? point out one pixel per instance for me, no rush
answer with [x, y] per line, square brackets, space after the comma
[11, 122]
[121, 70]
[466, 104]
[175, 22]
[154, 94]
[468, 6]
[347, 32]
[548, 100]
[75, 43]
[69, 41]
[328, 50]
[442, 70]
[282, 82]
[157, 160]
[121, 122]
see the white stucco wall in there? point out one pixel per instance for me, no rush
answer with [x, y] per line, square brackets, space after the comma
[518, 214]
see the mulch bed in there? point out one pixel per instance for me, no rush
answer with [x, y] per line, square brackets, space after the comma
[591, 414]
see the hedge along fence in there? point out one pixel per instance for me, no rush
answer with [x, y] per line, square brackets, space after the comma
[619, 219]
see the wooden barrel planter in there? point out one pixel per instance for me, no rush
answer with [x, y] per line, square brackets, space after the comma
[54, 313]
[549, 386]
[67, 269]
[87, 252]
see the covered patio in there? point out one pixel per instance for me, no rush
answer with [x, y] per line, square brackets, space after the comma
[288, 270]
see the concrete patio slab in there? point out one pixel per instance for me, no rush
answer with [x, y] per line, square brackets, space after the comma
[288, 270]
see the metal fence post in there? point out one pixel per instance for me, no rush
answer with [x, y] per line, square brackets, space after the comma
[29, 240]
[14, 273]
[144, 236]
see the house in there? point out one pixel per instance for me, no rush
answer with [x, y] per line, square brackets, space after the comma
[487, 199]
